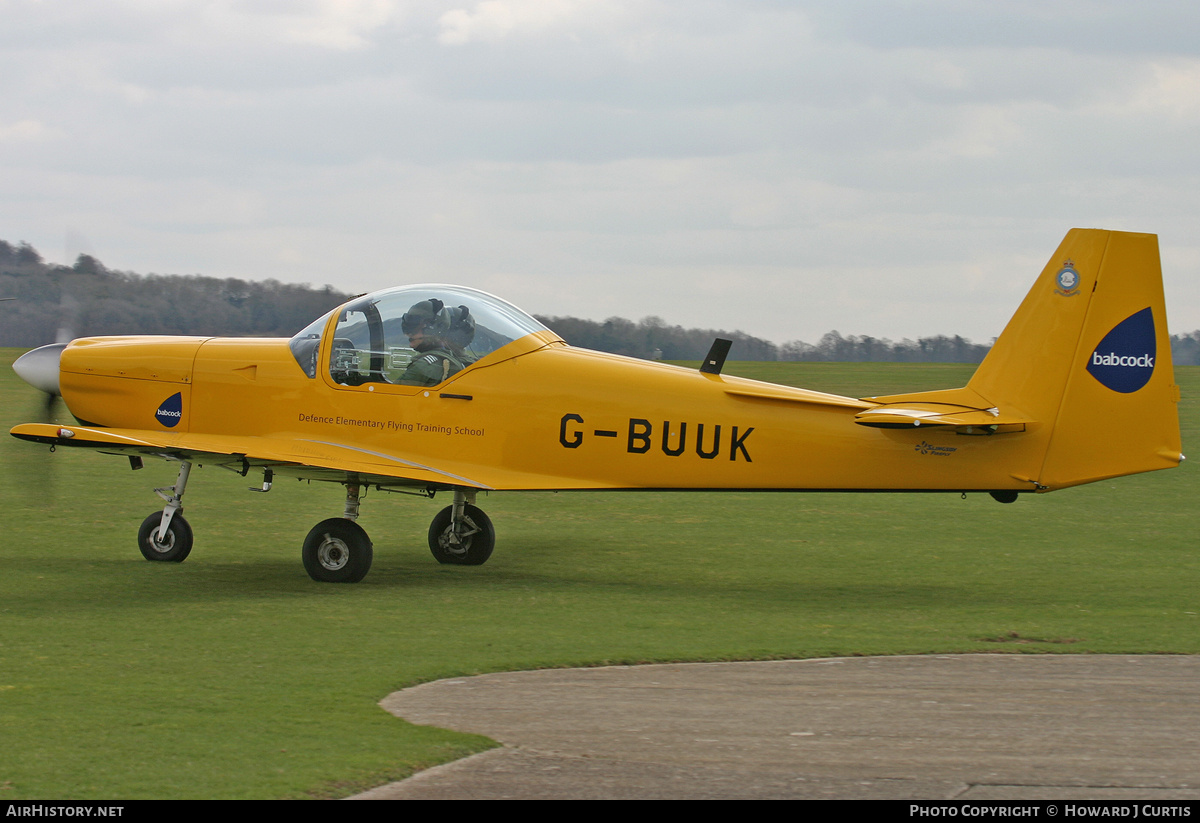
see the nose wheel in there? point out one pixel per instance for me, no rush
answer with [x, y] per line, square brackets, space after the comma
[165, 536]
[173, 547]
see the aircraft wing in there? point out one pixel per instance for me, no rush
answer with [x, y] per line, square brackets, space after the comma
[312, 459]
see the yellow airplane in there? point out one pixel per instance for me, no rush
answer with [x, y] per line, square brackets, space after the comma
[435, 388]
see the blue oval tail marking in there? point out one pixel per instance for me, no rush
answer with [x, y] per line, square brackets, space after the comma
[1124, 360]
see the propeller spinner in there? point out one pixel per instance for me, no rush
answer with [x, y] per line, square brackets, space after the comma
[39, 368]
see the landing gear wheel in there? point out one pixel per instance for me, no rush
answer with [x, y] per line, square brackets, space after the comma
[473, 545]
[173, 548]
[337, 550]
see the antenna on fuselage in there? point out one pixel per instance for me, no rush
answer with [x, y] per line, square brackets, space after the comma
[714, 361]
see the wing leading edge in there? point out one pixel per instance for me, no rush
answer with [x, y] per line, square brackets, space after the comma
[313, 459]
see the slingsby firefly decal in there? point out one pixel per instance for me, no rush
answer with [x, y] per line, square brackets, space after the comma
[171, 411]
[938, 451]
[1124, 359]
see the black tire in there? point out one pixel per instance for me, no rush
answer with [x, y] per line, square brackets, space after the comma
[337, 550]
[474, 548]
[177, 545]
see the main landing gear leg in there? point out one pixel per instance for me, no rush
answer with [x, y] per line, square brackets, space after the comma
[461, 533]
[338, 550]
[165, 535]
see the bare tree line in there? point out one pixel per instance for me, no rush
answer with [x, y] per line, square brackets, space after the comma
[652, 338]
[89, 299]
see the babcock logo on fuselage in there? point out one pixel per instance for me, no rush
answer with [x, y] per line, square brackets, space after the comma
[171, 411]
[1124, 360]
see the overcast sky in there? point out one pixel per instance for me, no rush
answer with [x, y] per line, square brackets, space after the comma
[897, 169]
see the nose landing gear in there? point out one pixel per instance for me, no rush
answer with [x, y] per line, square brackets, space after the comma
[165, 536]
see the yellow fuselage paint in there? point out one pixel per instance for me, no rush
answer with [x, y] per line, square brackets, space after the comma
[543, 416]
[1079, 387]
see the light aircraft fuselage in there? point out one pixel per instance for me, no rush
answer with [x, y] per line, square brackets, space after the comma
[1078, 388]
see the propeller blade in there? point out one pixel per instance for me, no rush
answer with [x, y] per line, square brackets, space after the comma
[39, 368]
[49, 410]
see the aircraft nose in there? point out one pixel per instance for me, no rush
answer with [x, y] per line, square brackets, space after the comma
[39, 367]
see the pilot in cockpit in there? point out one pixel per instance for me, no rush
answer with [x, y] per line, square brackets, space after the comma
[439, 334]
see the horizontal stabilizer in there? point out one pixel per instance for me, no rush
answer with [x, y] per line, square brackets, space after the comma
[966, 420]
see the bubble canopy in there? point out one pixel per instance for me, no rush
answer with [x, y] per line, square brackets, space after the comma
[371, 340]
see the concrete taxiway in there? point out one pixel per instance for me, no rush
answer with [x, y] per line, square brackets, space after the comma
[965, 727]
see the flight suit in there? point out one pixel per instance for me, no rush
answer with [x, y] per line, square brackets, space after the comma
[430, 368]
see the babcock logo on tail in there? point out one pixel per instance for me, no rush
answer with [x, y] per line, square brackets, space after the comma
[171, 411]
[1124, 360]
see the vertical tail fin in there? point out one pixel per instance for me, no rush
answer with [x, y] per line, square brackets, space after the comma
[1088, 356]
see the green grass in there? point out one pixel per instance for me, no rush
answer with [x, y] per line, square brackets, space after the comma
[234, 676]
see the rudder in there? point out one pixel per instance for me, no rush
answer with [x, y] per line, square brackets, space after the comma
[1088, 355]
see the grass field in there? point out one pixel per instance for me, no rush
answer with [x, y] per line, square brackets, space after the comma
[233, 675]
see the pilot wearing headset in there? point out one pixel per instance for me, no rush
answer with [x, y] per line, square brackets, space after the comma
[439, 334]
